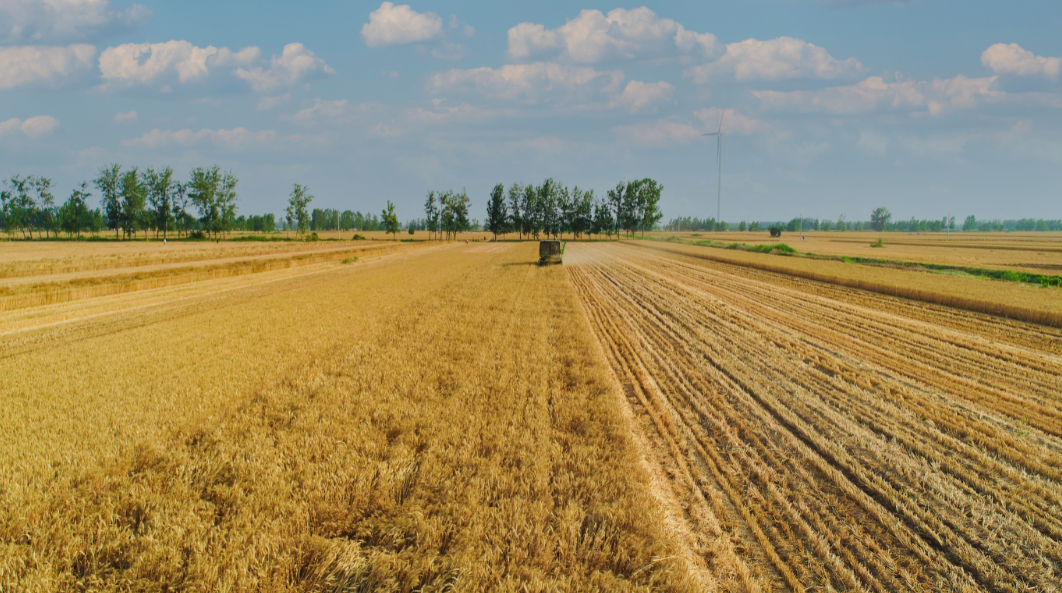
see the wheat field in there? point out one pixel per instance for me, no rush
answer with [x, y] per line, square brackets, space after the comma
[452, 417]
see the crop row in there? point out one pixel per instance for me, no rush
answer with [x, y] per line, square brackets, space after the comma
[844, 446]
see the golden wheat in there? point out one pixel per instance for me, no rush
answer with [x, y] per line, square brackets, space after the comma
[434, 420]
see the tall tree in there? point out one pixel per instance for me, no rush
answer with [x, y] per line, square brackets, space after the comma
[214, 195]
[603, 219]
[516, 220]
[18, 205]
[497, 213]
[431, 214]
[879, 218]
[615, 205]
[181, 218]
[133, 194]
[390, 220]
[532, 221]
[629, 215]
[44, 206]
[74, 215]
[298, 216]
[649, 203]
[161, 188]
[107, 182]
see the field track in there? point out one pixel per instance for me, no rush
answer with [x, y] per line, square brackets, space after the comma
[839, 439]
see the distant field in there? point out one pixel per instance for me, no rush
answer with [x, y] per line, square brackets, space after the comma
[441, 416]
[1030, 252]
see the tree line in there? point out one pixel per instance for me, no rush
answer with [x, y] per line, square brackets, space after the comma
[552, 209]
[880, 221]
[131, 201]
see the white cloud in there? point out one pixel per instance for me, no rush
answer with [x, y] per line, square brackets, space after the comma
[33, 127]
[147, 63]
[638, 95]
[775, 59]
[42, 66]
[658, 133]
[529, 82]
[267, 103]
[466, 29]
[235, 139]
[873, 142]
[733, 122]
[124, 117]
[398, 25]
[294, 65]
[463, 113]
[936, 97]
[593, 37]
[53, 20]
[1013, 59]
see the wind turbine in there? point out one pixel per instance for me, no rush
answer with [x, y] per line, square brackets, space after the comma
[718, 133]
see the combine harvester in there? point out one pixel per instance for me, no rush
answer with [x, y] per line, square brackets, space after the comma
[550, 252]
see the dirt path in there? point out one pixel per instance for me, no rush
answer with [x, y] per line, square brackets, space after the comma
[843, 440]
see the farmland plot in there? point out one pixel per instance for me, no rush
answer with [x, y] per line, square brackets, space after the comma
[435, 420]
[837, 439]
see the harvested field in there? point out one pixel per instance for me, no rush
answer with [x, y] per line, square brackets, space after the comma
[1014, 300]
[1039, 253]
[837, 439]
[437, 419]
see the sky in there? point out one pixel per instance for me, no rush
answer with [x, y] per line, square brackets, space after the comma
[829, 107]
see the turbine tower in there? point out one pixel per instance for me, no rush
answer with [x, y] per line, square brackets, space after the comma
[718, 133]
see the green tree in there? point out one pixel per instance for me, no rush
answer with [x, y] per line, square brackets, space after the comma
[532, 220]
[603, 219]
[18, 205]
[970, 224]
[74, 215]
[516, 220]
[615, 205]
[497, 213]
[649, 203]
[161, 188]
[431, 214]
[390, 220]
[879, 218]
[214, 194]
[44, 206]
[133, 194]
[298, 216]
[107, 182]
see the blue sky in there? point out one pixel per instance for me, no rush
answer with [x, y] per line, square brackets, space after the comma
[831, 107]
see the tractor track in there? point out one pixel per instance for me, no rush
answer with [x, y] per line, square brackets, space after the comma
[844, 440]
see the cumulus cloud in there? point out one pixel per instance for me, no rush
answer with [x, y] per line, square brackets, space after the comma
[733, 122]
[33, 127]
[55, 20]
[398, 25]
[672, 131]
[42, 66]
[1013, 59]
[235, 139]
[462, 113]
[775, 59]
[148, 63]
[294, 65]
[935, 97]
[124, 117]
[531, 83]
[593, 37]
[639, 95]
[658, 133]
